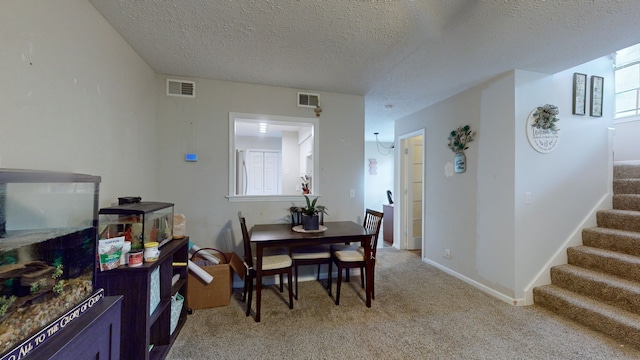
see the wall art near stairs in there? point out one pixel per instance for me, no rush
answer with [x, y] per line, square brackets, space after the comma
[600, 285]
[542, 131]
[458, 140]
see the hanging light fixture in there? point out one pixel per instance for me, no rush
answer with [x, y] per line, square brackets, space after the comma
[386, 148]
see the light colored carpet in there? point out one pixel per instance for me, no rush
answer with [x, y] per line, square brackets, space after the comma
[420, 312]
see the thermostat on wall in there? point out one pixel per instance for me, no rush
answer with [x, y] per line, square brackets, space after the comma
[191, 157]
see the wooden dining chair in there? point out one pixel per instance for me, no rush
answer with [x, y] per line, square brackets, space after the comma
[274, 262]
[310, 255]
[353, 256]
[307, 255]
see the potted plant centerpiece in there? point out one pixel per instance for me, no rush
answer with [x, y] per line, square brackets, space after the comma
[310, 214]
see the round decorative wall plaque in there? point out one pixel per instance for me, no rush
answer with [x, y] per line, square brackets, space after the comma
[541, 140]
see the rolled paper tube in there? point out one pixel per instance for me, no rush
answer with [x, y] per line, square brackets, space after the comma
[197, 270]
[204, 254]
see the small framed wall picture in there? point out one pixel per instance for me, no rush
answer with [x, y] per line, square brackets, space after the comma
[579, 93]
[597, 84]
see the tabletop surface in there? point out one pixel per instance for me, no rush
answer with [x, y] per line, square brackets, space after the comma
[280, 232]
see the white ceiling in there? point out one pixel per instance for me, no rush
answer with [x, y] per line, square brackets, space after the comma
[405, 53]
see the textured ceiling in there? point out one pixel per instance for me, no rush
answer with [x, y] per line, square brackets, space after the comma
[409, 54]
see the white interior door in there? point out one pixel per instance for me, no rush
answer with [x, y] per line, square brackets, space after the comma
[415, 161]
[263, 172]
[271, 171]
[412, 186]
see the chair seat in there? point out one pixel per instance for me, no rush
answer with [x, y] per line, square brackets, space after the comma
[310, 252]
[274, 259]
[348, 253]
[271, 262]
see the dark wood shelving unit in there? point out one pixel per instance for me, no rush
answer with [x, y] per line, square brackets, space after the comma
[95, 335]
[140, 327]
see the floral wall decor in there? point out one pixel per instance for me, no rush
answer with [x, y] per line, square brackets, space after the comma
[458, 140]
[542, 131]
[544, 117]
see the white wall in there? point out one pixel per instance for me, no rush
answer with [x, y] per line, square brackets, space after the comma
[76, 97]
[494, 257]
[626, 146]
[566, 185]
[450, 215]
[79, 99]
[498, 243]
[254, 142]
[376, 185]
[200, 125]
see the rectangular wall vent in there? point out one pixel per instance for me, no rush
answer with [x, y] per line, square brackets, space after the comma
[181, 88]
[308, 100]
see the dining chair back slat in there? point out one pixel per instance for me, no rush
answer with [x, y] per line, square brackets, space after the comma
[372, 222]
[246, 240]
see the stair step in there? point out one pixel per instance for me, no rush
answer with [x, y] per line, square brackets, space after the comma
[606, 261]
[610, 289]
[626, 186]
[600, 286]
[627, 242]
[621, 325]
[626, 171]
[619, 219]
[626, 202]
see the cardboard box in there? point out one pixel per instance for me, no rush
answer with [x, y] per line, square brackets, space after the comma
[201, 295]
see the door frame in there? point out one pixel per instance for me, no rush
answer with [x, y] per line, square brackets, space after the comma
[400, 217]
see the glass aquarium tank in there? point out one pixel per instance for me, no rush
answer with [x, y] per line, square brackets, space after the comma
[140, 223]
[48, 231]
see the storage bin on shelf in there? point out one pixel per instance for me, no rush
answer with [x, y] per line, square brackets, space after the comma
[154, 290]
[176, 308]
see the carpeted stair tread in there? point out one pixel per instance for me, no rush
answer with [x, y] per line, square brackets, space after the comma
[618, 240]
[620, 324]
[611, 262]
[624, 241]
[626, 202]
[611, 289]
[619, 219]
[626, 186]
[626, 171]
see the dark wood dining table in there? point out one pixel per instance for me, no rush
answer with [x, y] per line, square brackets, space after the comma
[282, 235]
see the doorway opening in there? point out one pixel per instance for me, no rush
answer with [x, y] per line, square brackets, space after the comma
[412, 191]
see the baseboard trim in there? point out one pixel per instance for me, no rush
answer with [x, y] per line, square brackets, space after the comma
[479, 286]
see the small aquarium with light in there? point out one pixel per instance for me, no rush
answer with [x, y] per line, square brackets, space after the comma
[140, 223]
[48, 232]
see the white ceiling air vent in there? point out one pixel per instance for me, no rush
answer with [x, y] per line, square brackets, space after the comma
[181, 88]
[308, 100]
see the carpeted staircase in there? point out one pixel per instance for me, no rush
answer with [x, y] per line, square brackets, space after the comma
[600, 285]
